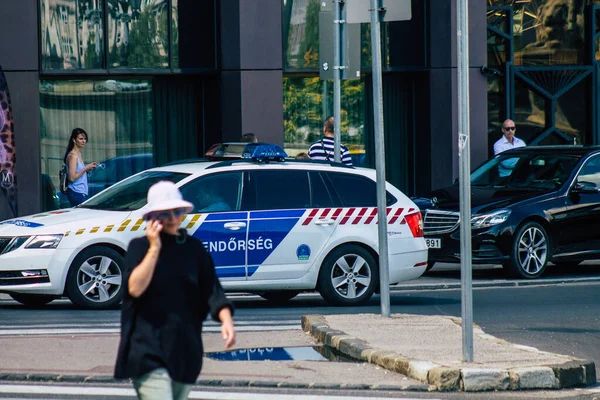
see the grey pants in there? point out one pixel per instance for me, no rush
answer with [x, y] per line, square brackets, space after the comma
[158, 385]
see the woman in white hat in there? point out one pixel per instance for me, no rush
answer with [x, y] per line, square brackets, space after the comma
[170, 287]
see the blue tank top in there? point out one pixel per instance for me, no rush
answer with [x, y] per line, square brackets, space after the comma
[80, 185]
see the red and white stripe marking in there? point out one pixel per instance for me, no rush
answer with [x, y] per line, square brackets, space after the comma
[357, 216]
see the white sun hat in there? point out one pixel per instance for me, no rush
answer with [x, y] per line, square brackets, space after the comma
[163, 196]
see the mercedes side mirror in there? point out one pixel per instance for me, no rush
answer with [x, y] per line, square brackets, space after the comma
[585, 187]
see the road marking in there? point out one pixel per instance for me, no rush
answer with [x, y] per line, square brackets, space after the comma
[194, 394]
[241, 326]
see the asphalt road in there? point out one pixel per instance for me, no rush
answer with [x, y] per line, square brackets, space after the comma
[557, 317]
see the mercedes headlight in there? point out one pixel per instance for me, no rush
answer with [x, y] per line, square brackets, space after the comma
[490, 219]
[44, 242]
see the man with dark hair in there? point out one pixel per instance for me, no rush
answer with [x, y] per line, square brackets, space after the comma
[249, 138]
[324, 149]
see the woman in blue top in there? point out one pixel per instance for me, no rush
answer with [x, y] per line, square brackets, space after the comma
[77, 191]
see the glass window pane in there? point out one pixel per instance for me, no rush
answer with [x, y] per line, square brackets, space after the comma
[138, 34]
[117, 116]
[72, 34]
[306, 104]
[214, 193]
[278, 190]
[301, 34]
[547, 32]
[193, 34]
[356, 191]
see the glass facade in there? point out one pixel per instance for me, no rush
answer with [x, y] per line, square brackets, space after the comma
[307, 101]
[72, 34]
[117, 116]
[138, 34]
[542, 55]
[127, 34]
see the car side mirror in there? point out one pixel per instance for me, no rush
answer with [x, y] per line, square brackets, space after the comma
[585, 187]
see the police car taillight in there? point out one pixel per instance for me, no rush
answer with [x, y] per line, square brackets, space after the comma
[415, 223]
[262, 152]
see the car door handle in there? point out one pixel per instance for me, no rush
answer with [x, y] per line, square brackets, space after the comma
[234, 226]
[326, 221]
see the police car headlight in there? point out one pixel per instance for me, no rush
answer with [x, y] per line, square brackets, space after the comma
[490, 219]
[44, 242]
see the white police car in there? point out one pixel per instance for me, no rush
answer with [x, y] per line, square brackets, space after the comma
[274, 227]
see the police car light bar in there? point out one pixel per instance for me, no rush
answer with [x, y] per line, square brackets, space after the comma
[264, 152]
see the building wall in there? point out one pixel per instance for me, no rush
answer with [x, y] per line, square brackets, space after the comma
[19, 60]
[251, 70]
[443, 89]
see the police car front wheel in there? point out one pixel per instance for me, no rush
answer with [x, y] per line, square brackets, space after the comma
[95, 278]
[349, 276]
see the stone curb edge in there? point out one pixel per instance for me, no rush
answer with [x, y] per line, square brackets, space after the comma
[103, 379]
[442, 378]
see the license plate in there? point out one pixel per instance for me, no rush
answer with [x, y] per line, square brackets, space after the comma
[434, 243]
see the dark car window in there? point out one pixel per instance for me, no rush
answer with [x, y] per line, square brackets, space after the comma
[356, 191]
[214, 193]
[320, 195]
[590, 172]
[526, 170]
[276, 189]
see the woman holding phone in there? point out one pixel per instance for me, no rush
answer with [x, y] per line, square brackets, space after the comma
[77, 191]
[170, 287]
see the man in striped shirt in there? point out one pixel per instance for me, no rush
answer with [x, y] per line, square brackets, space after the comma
[323, 150]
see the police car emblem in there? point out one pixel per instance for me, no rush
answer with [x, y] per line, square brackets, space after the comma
[303, 252]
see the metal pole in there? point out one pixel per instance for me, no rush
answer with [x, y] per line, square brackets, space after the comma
[337, 21]
[465, 179]
[384, 277]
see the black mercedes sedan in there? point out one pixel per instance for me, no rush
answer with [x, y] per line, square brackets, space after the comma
[530, 206]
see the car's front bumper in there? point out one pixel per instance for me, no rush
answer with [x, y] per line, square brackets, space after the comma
[35, 271]
[489, 245]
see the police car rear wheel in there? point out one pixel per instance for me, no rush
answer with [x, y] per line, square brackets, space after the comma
[95, 278]
[348, 276]
[279, 296]
[32, 300]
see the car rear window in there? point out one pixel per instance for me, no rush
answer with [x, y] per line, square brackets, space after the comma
[356, 191]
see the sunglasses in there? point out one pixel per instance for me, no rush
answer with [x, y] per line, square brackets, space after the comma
[509, 128]
[178, 212]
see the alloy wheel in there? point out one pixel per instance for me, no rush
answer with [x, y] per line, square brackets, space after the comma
[99, 279]
[351, 276]
[532, 250]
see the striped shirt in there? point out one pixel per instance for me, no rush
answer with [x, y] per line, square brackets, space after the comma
[323, 151]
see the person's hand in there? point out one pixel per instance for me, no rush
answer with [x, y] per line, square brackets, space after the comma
[153, 233]
[90, 166]
[228, 333]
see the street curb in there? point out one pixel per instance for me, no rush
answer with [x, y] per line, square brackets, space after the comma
[483, 285]
[443, 378]
[106, 379]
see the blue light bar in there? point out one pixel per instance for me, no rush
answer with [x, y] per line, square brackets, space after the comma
[264, 152]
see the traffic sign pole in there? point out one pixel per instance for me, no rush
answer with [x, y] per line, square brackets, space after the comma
[464, 178]
[384, 274]
[337, 70]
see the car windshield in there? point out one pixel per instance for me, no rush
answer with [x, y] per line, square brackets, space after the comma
[525, 170]
[130, 194]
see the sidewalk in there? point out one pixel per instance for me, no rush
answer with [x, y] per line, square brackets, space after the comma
[429, 349]
[405, 352]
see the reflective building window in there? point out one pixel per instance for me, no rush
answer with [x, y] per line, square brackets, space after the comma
[138, 33]
[72, 34]
[117, 116]
[306, 104]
